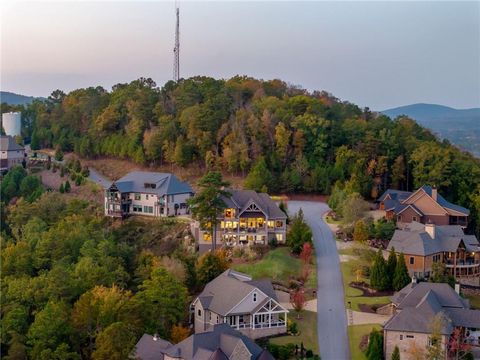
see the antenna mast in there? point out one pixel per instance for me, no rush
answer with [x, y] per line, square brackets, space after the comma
[176, 49]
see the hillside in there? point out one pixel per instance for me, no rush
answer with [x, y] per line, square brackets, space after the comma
[15, 99]
[460, 126]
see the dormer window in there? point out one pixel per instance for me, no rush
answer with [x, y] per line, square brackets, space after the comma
[254, 297]
[150, 185]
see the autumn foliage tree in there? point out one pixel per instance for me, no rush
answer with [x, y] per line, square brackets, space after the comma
[298, 301]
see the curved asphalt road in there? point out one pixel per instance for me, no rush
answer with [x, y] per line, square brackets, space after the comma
[331, 316]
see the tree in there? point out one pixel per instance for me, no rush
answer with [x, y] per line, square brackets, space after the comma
[31, 188]
[395, 354]
[391, 266]
[259, 177]
[299, 233]
[360, 231]
[210, 265]
[441, 275]
[457, 348]
[298, 301]
[434, 347]
[306, 254]
[375, 346]
[115, 342]
[401, 277]
[67, 187]
[179, 333]
[378, 274]
[207, 204]
[353, 208]
[59, 154]
[163, 301]
[61, 189]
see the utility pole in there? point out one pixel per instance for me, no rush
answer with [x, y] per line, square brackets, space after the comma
[176, 49]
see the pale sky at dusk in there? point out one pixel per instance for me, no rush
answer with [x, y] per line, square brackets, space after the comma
[376, 54]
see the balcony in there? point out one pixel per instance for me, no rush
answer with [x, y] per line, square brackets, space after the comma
[115, 213]
[462, 264]
[266, 325]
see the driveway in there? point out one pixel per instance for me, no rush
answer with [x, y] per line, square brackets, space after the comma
[96, 177]
[331, 314]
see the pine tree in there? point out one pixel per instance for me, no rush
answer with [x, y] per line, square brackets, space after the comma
[401, 277]
[67, 187]
[395, 354]
[61, 189]
[378, 276]
[375, 346]
[360, 231]
[391, 265]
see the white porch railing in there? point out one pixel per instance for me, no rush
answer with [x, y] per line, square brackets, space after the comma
[274, 324]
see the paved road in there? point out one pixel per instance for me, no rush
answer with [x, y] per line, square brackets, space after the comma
[96, 177]
[331, 315]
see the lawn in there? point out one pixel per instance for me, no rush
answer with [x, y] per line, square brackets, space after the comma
[355, 334]
[278, 265]
[307, 326]
[348, 268]
[474, 301]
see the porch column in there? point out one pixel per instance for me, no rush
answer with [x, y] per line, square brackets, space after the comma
[286, 318]
[270, 320]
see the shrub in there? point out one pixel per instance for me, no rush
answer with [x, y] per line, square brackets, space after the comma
[273, 242]
[292, 327]
[67, 187]
[309, 354]
[79, 180]
[61, 189]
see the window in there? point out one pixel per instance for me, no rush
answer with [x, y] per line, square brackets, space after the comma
[148, 209]
[254, 297]
[207, 236]
[137, 208]
[414, 218]
[229, 213]
[410, 337]
[210, 316]
[218, 319]
[412, 260]
[199, 312]
[279, 237]
[399, 218]
[146, 197]
[138, 197]
[278, 224]
[401, 337]
[271, 224]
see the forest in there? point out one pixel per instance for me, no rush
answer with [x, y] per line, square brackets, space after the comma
[298, 141]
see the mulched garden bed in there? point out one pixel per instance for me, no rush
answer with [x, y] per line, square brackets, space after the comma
[368, 291]
[368, 308]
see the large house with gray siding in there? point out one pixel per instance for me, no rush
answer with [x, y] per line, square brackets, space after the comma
[220, 343]
[416, 307]
[248, 218]
[11, 154]
[249, 306]
[147, 193]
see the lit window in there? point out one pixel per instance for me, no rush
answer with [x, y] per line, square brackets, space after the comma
[207, 236]
[279, 237]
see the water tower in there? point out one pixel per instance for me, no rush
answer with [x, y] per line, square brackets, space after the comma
[12, 123]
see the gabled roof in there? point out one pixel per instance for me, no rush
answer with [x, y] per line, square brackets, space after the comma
[420, 303]
[228, 289]
[445, 203]
[8, 143]
[149, 349]
[165, 183]
[396, 195]
[239, 199]
[414, 239]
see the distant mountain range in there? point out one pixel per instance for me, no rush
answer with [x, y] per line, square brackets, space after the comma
[460, 126]
[15, 99]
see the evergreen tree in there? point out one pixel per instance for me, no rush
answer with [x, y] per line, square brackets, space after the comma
[67, 187]
[299, 233]
[395, 354]
[259, 176]
[401, 277]
[375, 346]
[378, 275]
[391, 265]
[360, 231]
[34, 142]
[62, 188]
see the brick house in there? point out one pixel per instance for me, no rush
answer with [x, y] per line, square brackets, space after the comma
[249, 306]
[415, 308]
[425, 244]
[425, 205]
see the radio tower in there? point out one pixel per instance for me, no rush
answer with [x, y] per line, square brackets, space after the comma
[176, 49]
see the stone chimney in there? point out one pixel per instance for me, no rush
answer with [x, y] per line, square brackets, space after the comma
[430, 230]
[434, 193]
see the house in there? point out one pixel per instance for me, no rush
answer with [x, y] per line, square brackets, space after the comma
[416, 307]
[249, 306]
[425, 205]
[220, 343]
[248, 218]
[147, 193]
[11, 154]
[425, 244]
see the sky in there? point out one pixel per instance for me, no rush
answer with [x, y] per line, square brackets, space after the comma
[379, 54]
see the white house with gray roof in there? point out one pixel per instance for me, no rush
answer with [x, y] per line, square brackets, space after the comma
[250, 306]
[248, 218]
[11, 154]
[147, 193]
[415, 308]
[220, 343]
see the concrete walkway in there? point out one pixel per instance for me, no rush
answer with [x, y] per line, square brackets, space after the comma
[360, 318]
[331, 313]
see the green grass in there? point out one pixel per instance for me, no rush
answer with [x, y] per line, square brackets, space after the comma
[278, 265]
[355, 334]
[307, 327]
[474, 301]
[352, 295]
[330, 220]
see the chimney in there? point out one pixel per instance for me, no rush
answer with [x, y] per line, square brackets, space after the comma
[434, 193]
[155, 337]
[457, 288]
[430, 230]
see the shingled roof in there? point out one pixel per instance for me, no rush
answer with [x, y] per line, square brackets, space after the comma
[165, 183]
[420, 303]
[239, 199]
[230, 288]
[8, 143]
[218, 344]
[415, 240]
